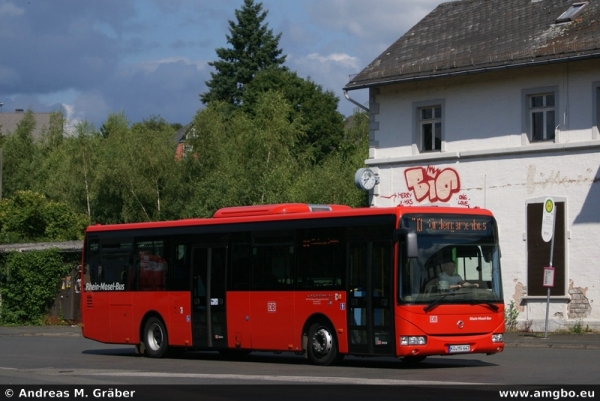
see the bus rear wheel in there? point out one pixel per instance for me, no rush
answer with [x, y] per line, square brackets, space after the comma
[322, 344]
[155, 338]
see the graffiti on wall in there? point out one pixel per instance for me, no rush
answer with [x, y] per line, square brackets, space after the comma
[402, 198]
[432, 184]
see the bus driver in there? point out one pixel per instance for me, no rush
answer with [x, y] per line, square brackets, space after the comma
[450, 280]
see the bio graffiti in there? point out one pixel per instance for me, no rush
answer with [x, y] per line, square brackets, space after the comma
[432, 183]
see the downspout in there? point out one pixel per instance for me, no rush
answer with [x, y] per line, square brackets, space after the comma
[354, 101]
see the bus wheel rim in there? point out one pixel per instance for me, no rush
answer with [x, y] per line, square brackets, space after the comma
[155, 337]
[322, 341]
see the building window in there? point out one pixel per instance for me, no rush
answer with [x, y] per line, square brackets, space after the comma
[542, 120]
[430, 128]
[571, 13]
[538, 251]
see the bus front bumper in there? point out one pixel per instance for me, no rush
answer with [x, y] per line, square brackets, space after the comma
[425, 345]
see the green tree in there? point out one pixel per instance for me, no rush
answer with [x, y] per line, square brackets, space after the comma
[332, 181]
[29, 216]
[206, 165]
[135, 171]
[18, 154]
[316, 109]
[241, 158]
[156, 174]
[253, 49]
[115, 124]
[52, 136]
[263, 150]
[68, 172]
[111, 170]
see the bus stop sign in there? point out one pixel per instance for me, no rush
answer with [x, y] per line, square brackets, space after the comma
[548, 220]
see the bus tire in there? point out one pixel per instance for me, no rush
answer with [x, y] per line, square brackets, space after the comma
[322, 345]
[156, 342]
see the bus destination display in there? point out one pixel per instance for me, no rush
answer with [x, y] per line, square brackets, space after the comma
[440, 224]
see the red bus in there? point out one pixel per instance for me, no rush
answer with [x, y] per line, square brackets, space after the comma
[320, 280]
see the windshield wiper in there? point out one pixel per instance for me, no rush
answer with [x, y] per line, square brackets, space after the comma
[437, 301]
[491, 305]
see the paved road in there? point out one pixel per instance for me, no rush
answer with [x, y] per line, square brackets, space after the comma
[59, 356]
[528, 340]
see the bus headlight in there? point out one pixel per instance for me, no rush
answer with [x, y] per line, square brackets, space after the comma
[497, 338]
[413, 340]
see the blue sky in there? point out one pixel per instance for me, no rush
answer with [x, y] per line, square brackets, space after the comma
[150, 57]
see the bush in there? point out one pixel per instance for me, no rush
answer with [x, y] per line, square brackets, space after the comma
[29, 217]
[511, 315]
[29, 283]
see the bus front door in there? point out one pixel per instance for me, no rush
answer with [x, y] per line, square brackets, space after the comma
[370, 300]
[208, 297]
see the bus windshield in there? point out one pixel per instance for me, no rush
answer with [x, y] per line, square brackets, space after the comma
[458, 261]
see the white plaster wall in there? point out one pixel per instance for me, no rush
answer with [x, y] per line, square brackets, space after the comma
[504, 185]
[577, 114]
[484, 137]
[485, 111]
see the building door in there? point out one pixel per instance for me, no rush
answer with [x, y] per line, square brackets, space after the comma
[538, 251]
[370, 301]
[209, 328]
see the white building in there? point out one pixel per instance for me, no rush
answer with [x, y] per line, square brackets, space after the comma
[496, 104]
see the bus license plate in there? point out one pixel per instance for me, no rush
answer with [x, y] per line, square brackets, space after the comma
[459, 348]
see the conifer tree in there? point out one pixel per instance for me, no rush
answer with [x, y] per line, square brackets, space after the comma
[253, 49]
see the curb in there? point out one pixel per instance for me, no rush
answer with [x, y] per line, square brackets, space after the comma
[551, 345]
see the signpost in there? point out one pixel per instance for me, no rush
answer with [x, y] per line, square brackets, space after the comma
[548, 277]
[548, 220]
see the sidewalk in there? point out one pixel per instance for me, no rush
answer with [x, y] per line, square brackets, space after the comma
[511, 340]
[574, 341]
[10, 331]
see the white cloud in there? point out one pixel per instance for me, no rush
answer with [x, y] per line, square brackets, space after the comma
[146, 57]
[388, 19]
[72, 121]
[340, 59]
[153, 65]
[10, 10]
[332, 72]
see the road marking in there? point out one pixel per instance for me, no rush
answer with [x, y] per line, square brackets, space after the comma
[267, 378]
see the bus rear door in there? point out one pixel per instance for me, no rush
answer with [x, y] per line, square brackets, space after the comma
[370, 301]
[209, 329]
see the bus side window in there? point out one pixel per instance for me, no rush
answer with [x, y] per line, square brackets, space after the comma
[115, 259]
[151, 264]
[321, 260]
[179, 273]
[265, 264]
[273, 263]
[241, 265]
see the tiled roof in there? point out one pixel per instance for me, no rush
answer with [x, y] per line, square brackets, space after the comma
[477, 35]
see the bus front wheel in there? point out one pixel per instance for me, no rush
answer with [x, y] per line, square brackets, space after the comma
[155, 338]
[322, 344]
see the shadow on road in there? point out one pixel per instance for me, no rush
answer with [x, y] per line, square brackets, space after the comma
[432, 362]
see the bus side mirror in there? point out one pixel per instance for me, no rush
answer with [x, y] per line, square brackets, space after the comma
[412, 249]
